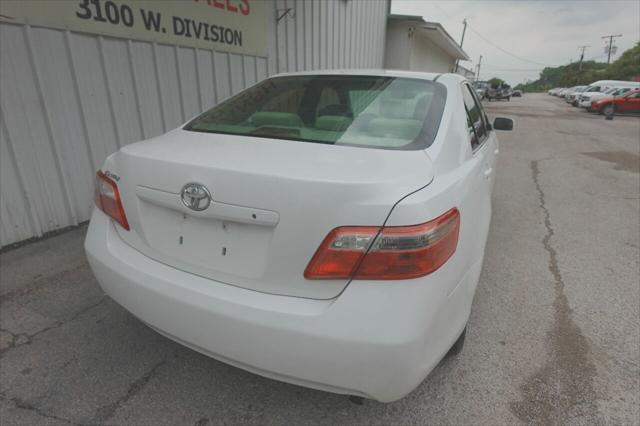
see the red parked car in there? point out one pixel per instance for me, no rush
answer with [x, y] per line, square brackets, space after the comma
[629, 103]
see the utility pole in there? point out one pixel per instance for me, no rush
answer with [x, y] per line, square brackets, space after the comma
[464, 30]
[610, 37]
[478, 73]
[582, 48]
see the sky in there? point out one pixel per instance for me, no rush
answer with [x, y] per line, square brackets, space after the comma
[518, 38]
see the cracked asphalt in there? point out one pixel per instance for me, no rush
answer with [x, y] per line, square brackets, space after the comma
[554, 336]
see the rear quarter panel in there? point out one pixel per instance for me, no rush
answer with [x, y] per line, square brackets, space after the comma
[459, 183]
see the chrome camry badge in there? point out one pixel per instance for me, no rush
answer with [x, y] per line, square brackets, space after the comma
[195, 196]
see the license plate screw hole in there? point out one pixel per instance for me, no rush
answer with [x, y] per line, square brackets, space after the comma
[224, 251]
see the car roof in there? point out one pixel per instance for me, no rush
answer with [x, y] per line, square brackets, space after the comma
[371, 72]
[613, 82]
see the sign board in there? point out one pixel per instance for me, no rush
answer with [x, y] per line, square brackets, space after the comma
[237, 26]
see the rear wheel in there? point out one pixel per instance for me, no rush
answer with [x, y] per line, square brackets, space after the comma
[608, 110]
[458, 345]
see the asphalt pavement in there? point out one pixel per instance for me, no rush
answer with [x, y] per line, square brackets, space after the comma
[554, 336]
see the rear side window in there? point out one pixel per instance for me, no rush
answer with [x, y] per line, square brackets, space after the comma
[366, 111]
[475, 117]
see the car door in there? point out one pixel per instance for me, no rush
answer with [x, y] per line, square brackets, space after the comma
[487, 143]
[630, 103]
[484, 149]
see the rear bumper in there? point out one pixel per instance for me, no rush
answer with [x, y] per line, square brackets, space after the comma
[377, 339]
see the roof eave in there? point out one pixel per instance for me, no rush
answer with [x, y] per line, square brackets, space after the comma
[445, 41]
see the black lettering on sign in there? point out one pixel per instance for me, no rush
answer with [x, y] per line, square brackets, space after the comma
[98, 17]
[97, 10]
[197, 29]
[151, 20]
[127, 15]
[85, 12]
[178, 26]
[214, 34]
[203, 31]
[188, 23]
[112, 12]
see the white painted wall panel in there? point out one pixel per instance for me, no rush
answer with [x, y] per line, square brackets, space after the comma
[206, 81]
[67, 100]
[222, 77]
[188, 81]
[146, 84]
[28, 126]
[427, 56]
[15, 206]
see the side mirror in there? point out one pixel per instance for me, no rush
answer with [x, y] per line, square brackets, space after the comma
[501, 123]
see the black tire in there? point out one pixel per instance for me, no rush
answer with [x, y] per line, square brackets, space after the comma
[609, 109]
[458, 345]
[508, 98]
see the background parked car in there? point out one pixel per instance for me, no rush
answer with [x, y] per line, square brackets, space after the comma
[575, 91]
[481, 88]
[564, 91]
[602, 86]
[500, 91]
[517, 93]
[587, 97]
[629, 103]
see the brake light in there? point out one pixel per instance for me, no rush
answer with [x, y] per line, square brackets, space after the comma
[393, 253]
[108, 199]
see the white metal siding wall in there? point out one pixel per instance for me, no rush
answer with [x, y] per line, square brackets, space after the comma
[67, 100]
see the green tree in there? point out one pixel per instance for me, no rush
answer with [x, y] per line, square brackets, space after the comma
[495, 82]
[625, 67]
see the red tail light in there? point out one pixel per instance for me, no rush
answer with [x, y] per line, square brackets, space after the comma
[108, 199]
[393, 253]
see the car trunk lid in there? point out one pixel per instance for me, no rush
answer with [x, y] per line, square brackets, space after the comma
[273, 202]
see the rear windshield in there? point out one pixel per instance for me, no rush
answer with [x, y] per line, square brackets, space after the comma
[367, 111]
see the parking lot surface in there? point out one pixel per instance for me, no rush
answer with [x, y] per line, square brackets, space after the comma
[554, 335]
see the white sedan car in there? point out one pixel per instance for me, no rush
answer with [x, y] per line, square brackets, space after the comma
[323, 229]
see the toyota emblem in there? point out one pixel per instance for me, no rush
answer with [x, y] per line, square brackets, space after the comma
[195, 196]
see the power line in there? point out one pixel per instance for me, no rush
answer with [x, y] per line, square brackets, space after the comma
[498, 68]
[505, 71]
[506, 51]
[512, 70]
[596, 57]
[513, 54]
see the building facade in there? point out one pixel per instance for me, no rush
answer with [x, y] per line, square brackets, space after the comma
[79, 83]
[416, 45]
